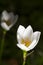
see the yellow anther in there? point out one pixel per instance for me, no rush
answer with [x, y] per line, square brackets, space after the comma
[26, 42]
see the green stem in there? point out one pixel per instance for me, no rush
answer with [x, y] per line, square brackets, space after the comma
[2, 44]
[24, 57]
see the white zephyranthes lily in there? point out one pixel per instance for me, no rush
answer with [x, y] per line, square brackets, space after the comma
[27, 39]
[8, 20]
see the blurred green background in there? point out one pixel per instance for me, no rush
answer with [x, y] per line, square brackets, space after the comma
[30, 13]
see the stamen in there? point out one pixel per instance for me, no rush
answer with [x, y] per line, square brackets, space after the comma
[26, 42]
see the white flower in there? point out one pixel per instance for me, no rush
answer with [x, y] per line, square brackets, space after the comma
[27, 39]
[8, 20]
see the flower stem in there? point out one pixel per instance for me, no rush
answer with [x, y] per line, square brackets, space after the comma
[2, 44]
[24, 57]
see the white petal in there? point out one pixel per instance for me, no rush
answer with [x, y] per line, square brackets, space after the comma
[19, 38]
[23, 47]
[20, 30]
[28, 33]
[13, 18]
[32, 45]
[11, 15]
[36, 35]
[5, 16]
[4, 26]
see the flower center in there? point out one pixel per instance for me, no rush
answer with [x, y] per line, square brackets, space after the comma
[8, 22]
[26, 42]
